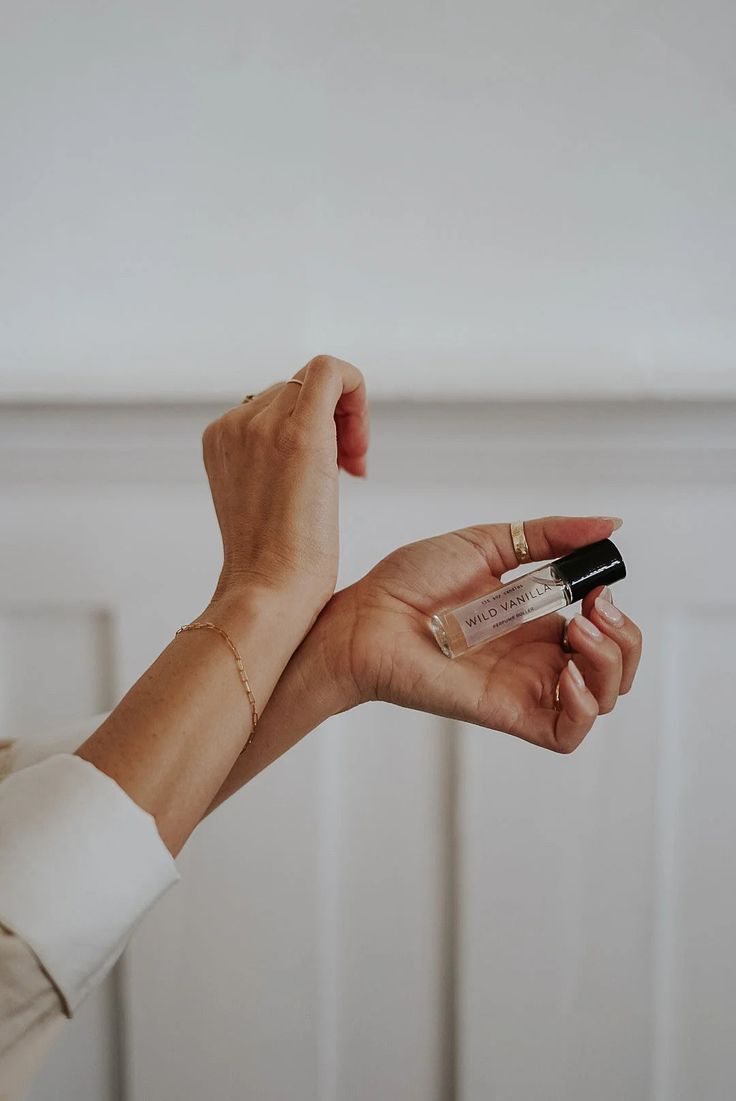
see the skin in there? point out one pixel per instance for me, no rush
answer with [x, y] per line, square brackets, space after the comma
[174, 742]
[372, 642]
[272, 466]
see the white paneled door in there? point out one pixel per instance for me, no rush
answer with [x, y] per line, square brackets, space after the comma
[403, 908]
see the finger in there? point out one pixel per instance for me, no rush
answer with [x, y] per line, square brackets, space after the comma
[334, 389]
[598, 606]
[285, 398]
[351, 419]
[599, 660]
[579, 710]
[332, 397]
[547, 537]
[257, 402]
[552, 536]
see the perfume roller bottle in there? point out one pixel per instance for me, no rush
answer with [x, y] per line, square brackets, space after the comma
[528, 597]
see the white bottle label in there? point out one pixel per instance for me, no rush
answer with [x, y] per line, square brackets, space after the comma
[508, 607]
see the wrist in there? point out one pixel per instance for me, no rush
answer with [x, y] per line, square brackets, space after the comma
[248, 606]
[316, 684]
[297, 601]
[318, 656]
[249, 620]
[324, 661]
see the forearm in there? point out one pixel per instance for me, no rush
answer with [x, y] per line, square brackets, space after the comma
[311, 689]
[175, 736]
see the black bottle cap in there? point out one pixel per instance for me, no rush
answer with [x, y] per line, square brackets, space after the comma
[588, 567]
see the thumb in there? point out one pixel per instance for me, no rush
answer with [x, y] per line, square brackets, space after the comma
[546, 536]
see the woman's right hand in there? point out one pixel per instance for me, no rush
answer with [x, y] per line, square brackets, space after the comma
[272, 465]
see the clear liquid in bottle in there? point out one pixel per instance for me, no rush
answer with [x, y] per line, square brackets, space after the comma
[526, 598]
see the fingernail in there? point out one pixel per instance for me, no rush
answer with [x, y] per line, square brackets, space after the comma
[587, 627]
[576, 675]
[615, 520]
[606, 594]
[609, 611]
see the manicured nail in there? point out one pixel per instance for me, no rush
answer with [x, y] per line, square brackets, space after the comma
[606, 594]
[615, 520]
[609, 611]
[576, 675]
[587, 627]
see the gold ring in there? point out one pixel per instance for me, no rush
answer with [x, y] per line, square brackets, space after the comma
[518, 538]
[558, 704]
[296, 381]
[564, 641]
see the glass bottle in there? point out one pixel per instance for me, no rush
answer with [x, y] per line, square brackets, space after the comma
[534, 594]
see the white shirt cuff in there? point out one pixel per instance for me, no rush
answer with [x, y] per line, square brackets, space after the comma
[80, 863]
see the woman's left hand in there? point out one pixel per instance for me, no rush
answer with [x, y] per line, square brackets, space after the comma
[373, 639]
[272, 465]
[373, 642]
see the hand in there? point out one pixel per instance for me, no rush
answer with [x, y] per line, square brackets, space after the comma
[372, 642]
[272, 465]
[375, 638]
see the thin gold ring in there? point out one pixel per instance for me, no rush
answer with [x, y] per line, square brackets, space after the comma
[250, 397]
[518, 538]
[564, 643]
[558, 703]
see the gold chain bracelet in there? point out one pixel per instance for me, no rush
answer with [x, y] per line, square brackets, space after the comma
[241, 668]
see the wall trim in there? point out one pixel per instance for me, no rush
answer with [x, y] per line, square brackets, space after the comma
[666, 442]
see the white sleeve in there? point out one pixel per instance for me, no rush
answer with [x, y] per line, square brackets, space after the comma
[80, 863]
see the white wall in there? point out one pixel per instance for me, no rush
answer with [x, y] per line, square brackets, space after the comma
[467, 197]
[478, 921]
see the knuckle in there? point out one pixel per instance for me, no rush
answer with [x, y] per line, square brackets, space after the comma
[211, 436]
[210, 430]
[257, 427]
[301, 436]
[567, 744]
[288, 439]
[323, 366]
